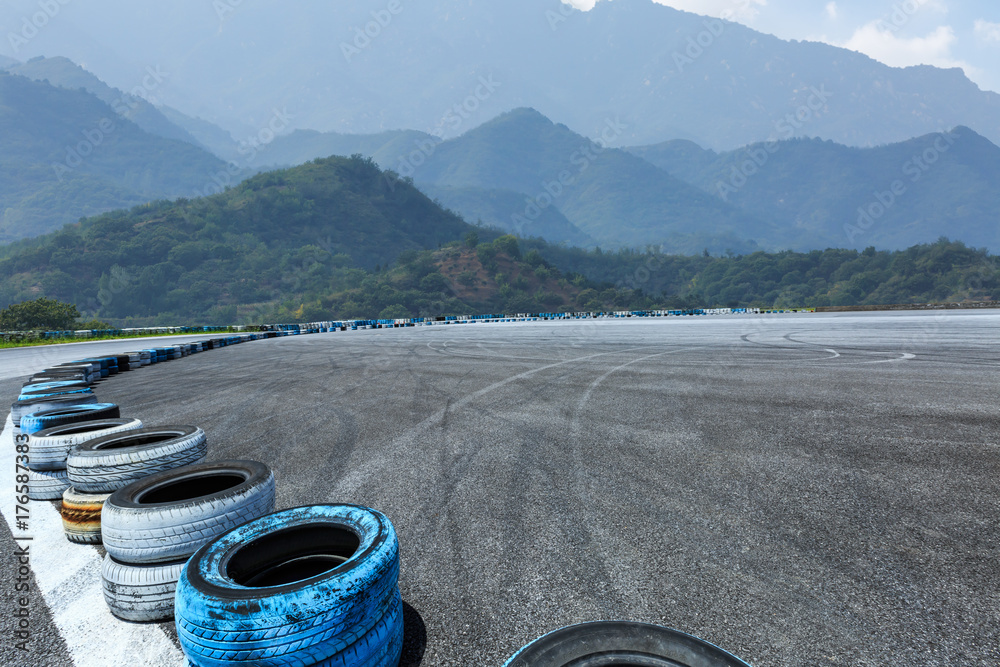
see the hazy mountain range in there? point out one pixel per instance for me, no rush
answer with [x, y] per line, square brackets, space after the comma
[795, 194]
[664, 73]
[65, 154]
[549, 170]
[520, 172]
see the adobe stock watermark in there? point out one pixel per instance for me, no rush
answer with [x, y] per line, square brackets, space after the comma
[94, 137]
[901, 14]
[698, 44]
[914, 169]
[152, 80]
[225, 9]
[35, 23]
[249, 148]
[119, 280]
[785, 128]
[552, 190]
[644, 272]
[451, 120]
[557, 18]
[363, 37]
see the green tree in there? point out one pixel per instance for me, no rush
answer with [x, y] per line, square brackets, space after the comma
[95, 325]
[42, 313]
[508, 245]
[394, 312]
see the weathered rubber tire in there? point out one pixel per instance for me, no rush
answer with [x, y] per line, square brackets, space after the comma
[30, 387]
[53, 391]
[170, 515]
[140, 593]
[33, 405]
[115, 461]
[81, 515]
[92, 370]
[48, 449]
[297, 587]
[61, 377]
[381, 647]
[614, 643]
[40, 421]
[47, 485]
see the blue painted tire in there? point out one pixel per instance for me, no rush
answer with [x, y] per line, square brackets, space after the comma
[64, 384]
[304, 586]
[32, 405]
[40, 421]
[49, 392]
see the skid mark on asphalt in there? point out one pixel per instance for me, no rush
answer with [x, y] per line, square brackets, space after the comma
[591, 523]
[362, 473]
[69, 579]
[447, 349]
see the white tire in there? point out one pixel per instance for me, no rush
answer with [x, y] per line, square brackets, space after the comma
[170, 515]
[140, 593]
[47, 485]
[115, 461]
[49, 448]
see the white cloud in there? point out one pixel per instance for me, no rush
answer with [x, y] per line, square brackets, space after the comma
[734, 10]
[885, 46]
[831, 10]
[987, 31]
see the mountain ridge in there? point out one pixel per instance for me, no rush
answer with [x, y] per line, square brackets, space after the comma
[623, 58]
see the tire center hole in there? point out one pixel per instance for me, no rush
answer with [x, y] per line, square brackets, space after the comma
[87, 428]
[139, 440]
[190, 488]
[291, 555]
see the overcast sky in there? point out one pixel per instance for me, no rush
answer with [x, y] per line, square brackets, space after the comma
[945, 33]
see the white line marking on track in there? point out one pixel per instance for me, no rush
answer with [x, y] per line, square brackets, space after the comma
[69, 579]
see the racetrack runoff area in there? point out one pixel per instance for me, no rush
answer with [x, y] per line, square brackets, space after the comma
[816, 489]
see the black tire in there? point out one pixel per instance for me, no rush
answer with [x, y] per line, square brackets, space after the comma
[621, 644]
[297, 587]
[48, 449]
[140, 593]
[31, 406]
[104, 465]
[47, 485]
[81, 515]
[71, 415]
[170, 515]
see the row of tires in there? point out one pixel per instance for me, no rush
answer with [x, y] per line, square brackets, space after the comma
[201, 542]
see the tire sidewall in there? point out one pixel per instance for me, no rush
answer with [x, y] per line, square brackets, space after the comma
[124, 499]
[212, 590]
[98, 448]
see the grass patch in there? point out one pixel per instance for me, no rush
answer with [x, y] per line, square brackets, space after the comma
[35, 342]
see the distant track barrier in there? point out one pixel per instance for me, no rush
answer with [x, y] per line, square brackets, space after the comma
[344, 325]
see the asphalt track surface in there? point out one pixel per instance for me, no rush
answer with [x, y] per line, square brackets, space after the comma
[799, 489]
